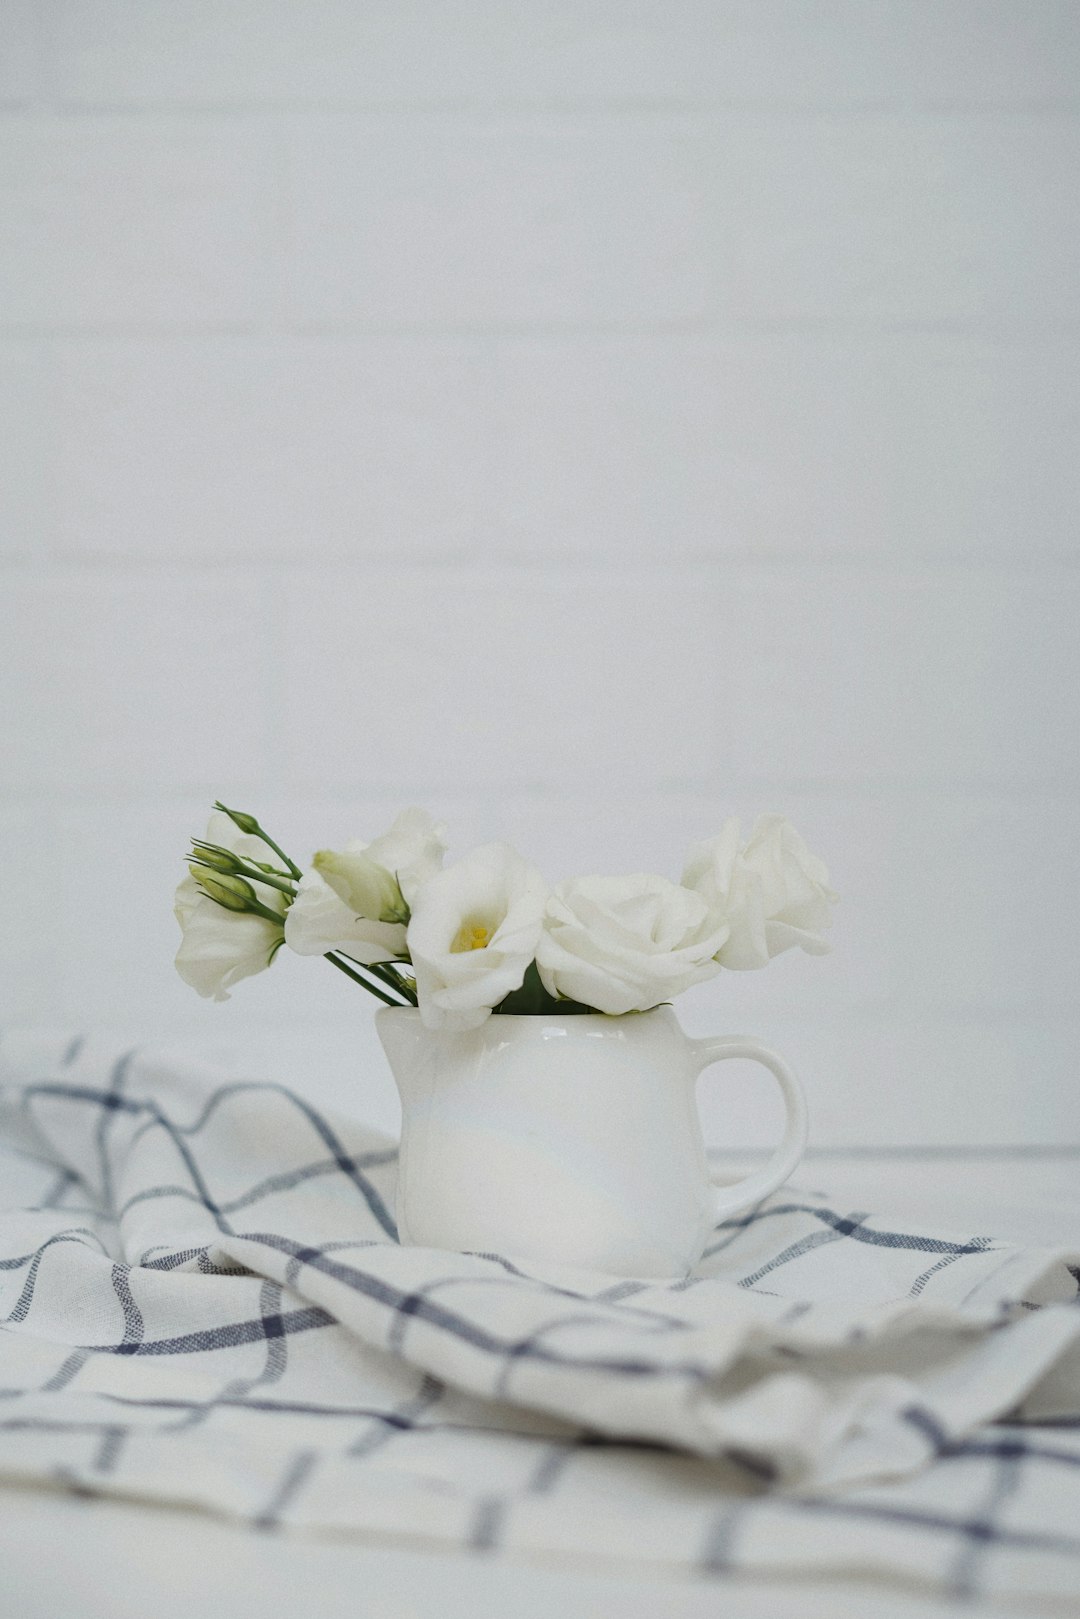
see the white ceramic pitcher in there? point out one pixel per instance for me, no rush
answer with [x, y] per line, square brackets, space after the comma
[569, 1139]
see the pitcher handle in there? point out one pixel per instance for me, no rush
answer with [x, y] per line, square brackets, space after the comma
[752, 1188]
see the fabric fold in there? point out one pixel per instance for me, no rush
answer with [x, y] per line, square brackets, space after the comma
[204, 1301]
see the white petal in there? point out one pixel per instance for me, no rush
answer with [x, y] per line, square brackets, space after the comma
[221, 947]
[492, 887]
[318, 921]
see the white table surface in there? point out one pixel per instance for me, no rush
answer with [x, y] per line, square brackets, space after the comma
[67, 1558]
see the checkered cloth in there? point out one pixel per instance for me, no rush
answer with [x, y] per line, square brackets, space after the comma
[204, 1303]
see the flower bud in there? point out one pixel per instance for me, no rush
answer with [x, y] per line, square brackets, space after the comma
[246, 823]
[211, 854]
[232, 892]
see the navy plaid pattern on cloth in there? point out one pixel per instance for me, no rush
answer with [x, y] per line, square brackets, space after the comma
[204, 1303]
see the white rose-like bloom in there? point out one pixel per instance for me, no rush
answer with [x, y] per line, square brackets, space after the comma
[473, 933]
[624, 944]
[219, 946]
[357, 899]
[771, 890]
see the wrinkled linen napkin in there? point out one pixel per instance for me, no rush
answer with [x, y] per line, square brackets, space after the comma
[204, 1303]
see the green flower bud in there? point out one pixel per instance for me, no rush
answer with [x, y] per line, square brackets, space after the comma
[232, 892]
[246, 823]
[212, 854]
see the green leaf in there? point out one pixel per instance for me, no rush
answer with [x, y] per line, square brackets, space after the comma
[533, 1000]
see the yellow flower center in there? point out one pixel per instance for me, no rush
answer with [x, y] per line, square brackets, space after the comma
[471, 936]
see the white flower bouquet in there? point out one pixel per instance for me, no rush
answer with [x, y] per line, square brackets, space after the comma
[487, 934]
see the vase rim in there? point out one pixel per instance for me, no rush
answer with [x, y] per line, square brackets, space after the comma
[540, 1017]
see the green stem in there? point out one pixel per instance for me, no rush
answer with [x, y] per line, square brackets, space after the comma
[371, 988]
[390, 975]
[270, 844]
[250, 873]
[271, 916]
[253, 875]
[386, 973]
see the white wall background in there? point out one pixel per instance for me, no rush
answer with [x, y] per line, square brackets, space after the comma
[584, 417]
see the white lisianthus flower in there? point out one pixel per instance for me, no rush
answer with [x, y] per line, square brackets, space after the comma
[219, 946]
[772, 891]
[624, 944]
[473, 933]
[357, 899]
